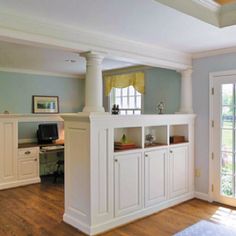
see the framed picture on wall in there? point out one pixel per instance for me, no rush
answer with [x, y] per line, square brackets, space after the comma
[45, 104]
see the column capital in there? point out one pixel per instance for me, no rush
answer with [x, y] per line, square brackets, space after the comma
[186, 73]
[93, 55]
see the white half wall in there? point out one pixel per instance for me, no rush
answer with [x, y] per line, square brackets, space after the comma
[201, 69]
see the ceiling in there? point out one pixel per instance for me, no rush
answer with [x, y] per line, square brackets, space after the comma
[145, 21]
[25, 57]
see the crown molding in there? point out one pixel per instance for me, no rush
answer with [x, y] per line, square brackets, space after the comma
[43, 73]
[128, 69]
[212, 53]
[210, 4]
[19, 28]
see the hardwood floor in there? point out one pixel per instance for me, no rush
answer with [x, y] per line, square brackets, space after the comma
[37, 210]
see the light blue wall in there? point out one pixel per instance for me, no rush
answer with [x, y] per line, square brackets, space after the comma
[162, 85]
[201, 69]
[16, 91]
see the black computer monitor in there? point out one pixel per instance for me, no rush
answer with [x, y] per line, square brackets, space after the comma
[47, 133]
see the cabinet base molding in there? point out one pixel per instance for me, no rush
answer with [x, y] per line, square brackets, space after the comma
[19, 183]
[116, 222]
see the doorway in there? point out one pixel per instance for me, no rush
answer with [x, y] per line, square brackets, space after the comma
[223, 138]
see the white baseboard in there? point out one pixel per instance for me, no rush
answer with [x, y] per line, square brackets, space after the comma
[118, 221]
[202, 196]
[19, 183]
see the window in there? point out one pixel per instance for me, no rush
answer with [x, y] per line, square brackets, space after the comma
[128, 99]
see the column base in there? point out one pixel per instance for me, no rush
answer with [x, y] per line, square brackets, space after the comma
[88, 109]
[185, 111]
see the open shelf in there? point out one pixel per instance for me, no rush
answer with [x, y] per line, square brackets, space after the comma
[132, 141]
[159, 135]
[178, 134]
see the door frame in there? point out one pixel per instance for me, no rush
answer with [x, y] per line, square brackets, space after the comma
[212, 77]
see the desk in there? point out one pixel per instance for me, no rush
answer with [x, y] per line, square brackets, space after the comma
[45, 165]
[28, 145]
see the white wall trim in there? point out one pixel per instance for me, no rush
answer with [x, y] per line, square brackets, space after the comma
[15, 27]
[212, 53]
[216, 74]
[36, 72]
[202, 196]
[210, 138]
[118, 221]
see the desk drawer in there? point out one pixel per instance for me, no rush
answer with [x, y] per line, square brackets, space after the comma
[28, 152]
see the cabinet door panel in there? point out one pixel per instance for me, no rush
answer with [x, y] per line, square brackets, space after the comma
[178, 171]
[127, 183]
[9, 151]
[28, 168]
[155, 177]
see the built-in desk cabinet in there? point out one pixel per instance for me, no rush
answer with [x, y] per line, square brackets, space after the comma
[28, 163]
[17, 166]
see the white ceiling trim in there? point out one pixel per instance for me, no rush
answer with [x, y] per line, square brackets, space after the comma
[206, 10]
[195, 8]
[43, 73]
[210, 4]
[212, 53]
[28, 30]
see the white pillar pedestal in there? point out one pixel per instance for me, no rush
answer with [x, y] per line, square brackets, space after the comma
[93, 83]
[186, 105]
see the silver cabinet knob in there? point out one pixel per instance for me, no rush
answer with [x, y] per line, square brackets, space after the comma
[146, 155]
[116, 160]
[171, 151]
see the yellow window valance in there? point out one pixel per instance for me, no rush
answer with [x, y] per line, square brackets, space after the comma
[125, 80]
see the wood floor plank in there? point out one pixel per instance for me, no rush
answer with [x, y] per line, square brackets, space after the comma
[37, 210]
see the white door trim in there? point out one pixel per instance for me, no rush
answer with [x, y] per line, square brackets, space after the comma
[212, 77]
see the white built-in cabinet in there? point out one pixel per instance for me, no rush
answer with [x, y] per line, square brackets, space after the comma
[17, 167]
[156, 176]
[119, 186]
[28, 163]
[179, 170]
[128, 183]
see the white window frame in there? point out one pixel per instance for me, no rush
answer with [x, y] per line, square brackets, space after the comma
[110, 104]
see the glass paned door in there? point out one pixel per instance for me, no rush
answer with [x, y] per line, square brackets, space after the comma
[223, 140]
[228, 147]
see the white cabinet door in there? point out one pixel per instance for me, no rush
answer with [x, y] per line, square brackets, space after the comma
[128, 183]
[8, 151]
[178, 171]
[155, 177]
[28, 168]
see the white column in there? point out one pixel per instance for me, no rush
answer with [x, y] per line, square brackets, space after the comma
[93, 82]
[186, 105]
